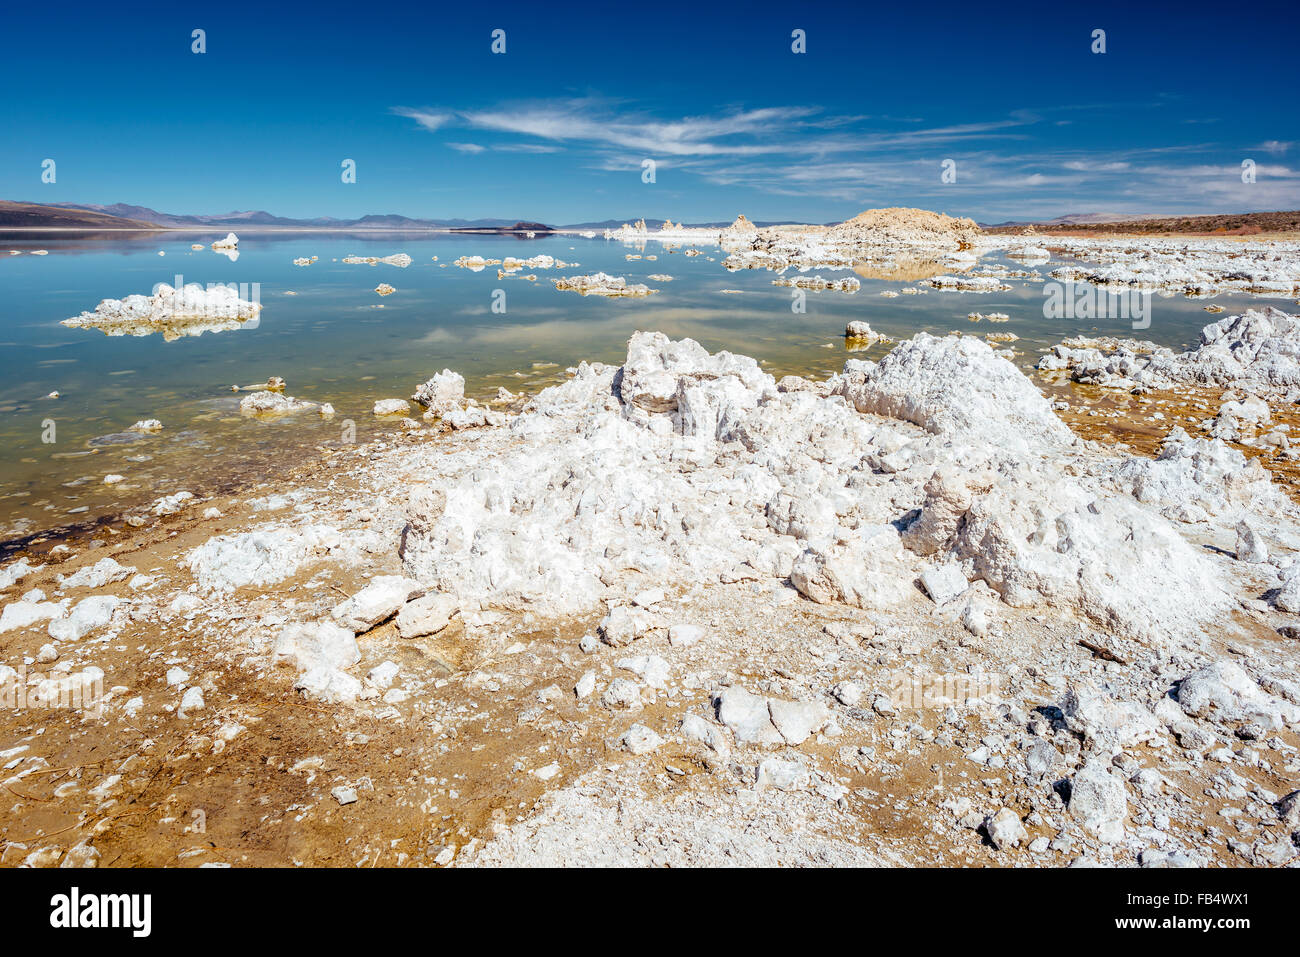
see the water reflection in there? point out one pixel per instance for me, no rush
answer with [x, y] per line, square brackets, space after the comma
[325, 336]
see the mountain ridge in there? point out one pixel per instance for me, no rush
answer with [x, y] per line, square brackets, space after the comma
[126, 216]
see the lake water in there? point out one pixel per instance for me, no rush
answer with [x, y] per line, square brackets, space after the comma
[325, 330]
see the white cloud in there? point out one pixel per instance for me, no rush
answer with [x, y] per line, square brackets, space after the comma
[599, 124]
[1095, 166]
[802, 151]
[428, 119]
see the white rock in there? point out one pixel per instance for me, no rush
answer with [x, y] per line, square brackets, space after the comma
[328, 685]
[747, 716]
[426, 615]
[192, 700]
[623, 625]
[639, 739]
[857, 329]
[442, 393]
[185, 604]
[782, 775]
[602, 284]
[260, 557]
[43, 857]
[1106, 724]
[1254, 351]
[81, 855]
[24, 614]
[1250, 546]
[171, 504]
[618, 471]
[383, 674]
[847, 693]
[622, 694]
[1223, 692]
[943, 584]
[714, 737]
[1099, 802]
[796, 721]
[318, 645]
[683, 636]
[267, 402]
[377, 602]
[104, 572]
[1005, 829]
[547, 772]
[975, 618]
[652, 669]
[15, 572]
[87, 615]
[649, 597]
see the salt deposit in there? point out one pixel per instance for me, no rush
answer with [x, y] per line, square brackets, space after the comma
[189, 311]
[601, 284]
[1257, 350]
[401, 260]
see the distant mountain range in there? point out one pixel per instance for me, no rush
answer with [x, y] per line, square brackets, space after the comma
[91, 216]
[1277, 223]
[34, 215]
[126, 216]
[1077, 219]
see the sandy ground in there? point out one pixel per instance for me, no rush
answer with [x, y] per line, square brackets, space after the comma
[438, 775]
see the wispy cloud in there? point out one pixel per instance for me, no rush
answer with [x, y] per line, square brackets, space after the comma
[858, 160]
[1096, 166]
[504, 148]
[605, 124]
[428, 119]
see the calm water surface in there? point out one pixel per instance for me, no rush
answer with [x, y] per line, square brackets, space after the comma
[325, 330]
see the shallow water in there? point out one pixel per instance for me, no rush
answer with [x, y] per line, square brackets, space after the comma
[325, 330]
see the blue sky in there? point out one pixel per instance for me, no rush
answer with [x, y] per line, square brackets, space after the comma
[558, 127]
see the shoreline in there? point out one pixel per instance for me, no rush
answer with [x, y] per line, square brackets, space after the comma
[473, 746]
[280, 229]
[868, 254]
[1090, 411]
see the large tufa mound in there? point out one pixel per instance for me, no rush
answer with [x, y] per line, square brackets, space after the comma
[741, 225]
[945, 465]
[878, 236]
[905, 227]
